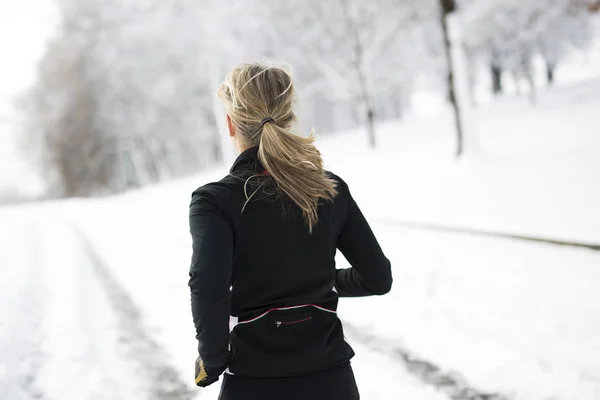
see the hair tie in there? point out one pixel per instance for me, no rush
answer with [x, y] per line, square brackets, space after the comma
[264, 121]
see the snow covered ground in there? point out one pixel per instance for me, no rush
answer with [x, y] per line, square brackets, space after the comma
[79, 323]
[502, 316]
[58, 335]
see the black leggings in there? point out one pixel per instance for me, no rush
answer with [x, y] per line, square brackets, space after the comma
[337, 383]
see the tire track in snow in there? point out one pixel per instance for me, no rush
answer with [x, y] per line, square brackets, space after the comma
[451, 384]
[486, 233]
[162, 379]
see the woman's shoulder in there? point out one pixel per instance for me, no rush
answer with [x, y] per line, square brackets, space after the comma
[342, 186]
[216, 192]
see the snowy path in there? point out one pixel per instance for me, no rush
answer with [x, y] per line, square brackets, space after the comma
[446, 383]
[70, 330]
[21, 289]
[510, 317]
[470, 317]
[61, 335]
[513, 317]
[161, 379]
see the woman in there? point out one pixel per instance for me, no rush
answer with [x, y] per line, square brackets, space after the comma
[264, 242]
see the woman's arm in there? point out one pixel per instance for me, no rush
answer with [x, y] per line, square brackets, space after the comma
[371, 272]
[210, 280]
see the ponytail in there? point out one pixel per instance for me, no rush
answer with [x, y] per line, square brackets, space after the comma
[297, 169]
[252, 92]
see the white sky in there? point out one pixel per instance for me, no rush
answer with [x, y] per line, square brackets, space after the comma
[25, 27]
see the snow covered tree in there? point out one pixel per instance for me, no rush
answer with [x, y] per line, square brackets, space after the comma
[568, 27]
[126, 89]
[64, 133]
[509, 34]
[133, 102]
[357, 48]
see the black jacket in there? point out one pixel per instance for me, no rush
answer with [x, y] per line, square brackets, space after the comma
[279, 282]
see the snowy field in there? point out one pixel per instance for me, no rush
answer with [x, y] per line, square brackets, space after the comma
[95, 305]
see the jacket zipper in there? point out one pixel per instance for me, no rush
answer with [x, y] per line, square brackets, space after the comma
[279, 323]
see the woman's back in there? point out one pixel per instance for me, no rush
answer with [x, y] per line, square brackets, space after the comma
[263, 278]
[275, 256]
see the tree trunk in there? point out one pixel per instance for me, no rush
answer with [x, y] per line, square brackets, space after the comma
[550, 68]
[448, 7]
[528, 72]
[371, 126]
[496, 79]
[367, 103]
[366, 96]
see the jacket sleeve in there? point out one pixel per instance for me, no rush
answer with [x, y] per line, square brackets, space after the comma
[370, 273]
[210, 279]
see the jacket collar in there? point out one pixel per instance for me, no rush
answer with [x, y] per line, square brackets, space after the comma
[248, 160]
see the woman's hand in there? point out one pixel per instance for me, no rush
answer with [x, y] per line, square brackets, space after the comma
[204, 376]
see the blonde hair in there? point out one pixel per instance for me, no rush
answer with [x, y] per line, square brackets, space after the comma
[259, 101]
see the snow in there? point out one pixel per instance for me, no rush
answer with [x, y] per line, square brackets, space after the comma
[496, 310]
[58, 337]
[78, 334]
[516, 318]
